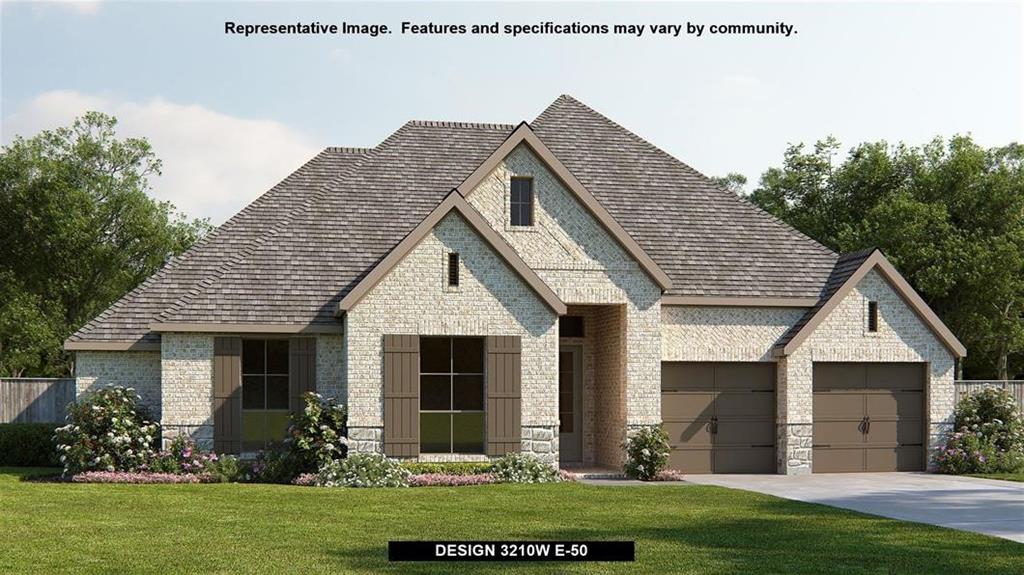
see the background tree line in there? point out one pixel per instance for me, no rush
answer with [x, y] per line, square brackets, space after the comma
[948, 214]
[78, 230]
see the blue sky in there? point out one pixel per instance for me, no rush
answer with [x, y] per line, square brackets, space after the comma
[231, 115]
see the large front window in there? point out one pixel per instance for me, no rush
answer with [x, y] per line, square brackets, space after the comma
[264, 392]
[451, 395]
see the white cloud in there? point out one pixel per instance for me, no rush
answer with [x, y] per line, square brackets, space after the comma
[213, 163]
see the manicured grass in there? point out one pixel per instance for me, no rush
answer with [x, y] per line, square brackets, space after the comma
[1019, 476]
[51, 527]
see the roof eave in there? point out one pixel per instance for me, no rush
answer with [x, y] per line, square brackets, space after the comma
[877, 260]
[453, 202]
[524, 134]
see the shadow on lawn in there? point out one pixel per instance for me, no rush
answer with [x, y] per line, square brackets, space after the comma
[784, 537]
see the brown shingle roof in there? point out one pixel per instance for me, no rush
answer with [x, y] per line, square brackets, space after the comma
[290, 256]
[710, 241]
[128, 318]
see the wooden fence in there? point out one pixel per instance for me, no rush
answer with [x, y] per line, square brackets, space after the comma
[35, 400]
[968, 386]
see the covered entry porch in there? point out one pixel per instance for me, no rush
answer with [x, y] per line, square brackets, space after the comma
[592, 364]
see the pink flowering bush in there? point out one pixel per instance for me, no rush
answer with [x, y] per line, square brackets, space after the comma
[449, 480]
[669, 475]
[139, 477]
[107, 430]
[305, 479]
[318, 434]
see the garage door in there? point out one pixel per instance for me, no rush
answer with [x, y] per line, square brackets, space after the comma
[868, 417]
[720, 417]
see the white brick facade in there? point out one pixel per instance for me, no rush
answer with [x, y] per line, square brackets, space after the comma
[138, 369]
[414, 298]
[901, 337]
[187, 386]
[723, 333]
[585, 265]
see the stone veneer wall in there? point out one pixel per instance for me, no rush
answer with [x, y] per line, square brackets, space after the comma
[843, 336]
[610, 388]
[584, 264]
[187, 387]
[490, 300]
[137, 369]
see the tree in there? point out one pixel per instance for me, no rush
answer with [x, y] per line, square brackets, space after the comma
[949, 214]
[77, 231]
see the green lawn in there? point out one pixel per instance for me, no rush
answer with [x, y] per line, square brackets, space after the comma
[1019, 476]
[49, 527]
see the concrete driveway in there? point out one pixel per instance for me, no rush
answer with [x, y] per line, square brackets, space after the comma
[980, 505]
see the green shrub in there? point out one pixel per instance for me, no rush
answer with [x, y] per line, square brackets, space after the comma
[224, 469]
[106, 431]
[273, 466]
[524, 468]
[318, 434]
[647, 451]
[988, 436]
[28, 445]
[451, 468]
[363, 470]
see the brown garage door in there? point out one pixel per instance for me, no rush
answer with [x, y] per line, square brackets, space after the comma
[868, 417]
[720, 417]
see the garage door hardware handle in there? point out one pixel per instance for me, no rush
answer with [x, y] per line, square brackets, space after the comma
[713, 425]
[865, 425]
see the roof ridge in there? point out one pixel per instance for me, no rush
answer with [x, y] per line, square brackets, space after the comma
[347, 149]
[243, 254]
[175, 261]
[629, 133]
[455, 124]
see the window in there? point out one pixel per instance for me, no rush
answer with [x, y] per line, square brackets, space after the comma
[872, 316]
[570, 326]
[264, 392]
[453, 269]
[451, 395]
[521, 208]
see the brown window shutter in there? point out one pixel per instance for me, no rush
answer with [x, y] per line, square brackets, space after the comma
[401, 395]
[301, 370]
[227, 394]
[504, 373]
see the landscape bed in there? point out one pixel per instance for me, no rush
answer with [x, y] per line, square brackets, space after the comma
[220, 528]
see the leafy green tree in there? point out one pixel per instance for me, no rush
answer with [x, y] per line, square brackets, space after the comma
[949, 214]
[77, 231]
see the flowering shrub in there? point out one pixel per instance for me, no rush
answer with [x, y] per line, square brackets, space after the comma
[993, 414]
[524, 468]
[181, 457]
[305, 479]
[669, 475]
[989, 436]
[107, 431]
[363, 470]
[450, 480]
[138, 477]
[647, 451]
[319, 434]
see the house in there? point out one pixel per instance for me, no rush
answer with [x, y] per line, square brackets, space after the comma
[469, 290]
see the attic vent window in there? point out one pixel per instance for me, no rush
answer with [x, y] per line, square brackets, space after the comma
[521, 207]
[872, 316]
[453, 269]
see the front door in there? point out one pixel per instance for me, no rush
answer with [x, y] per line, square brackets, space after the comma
[570, 400]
